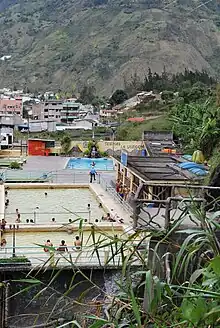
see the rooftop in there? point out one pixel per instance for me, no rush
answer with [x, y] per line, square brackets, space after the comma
[135, 119]
[38, 139]
[159, 143]
[162, 168]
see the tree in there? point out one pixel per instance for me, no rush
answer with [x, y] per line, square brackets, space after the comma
[118, 97]
[66, 144]
[198, 125]
[167, 95]
[218, 95]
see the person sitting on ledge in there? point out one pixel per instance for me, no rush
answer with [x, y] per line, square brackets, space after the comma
[3, 242]
[62, 247]
[108, 218]
[78, 243]
[48, 244]
[3, 224]
[27, 221]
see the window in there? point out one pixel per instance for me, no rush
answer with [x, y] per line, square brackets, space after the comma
[45, 116]
[45, 110]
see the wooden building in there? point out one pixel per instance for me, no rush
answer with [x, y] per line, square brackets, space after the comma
[158, 174]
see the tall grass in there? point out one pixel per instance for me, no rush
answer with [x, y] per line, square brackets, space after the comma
[187, 295]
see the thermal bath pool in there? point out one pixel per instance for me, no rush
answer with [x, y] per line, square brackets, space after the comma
[38, 237]
[28, 244]
[61, 204]
[102, 164]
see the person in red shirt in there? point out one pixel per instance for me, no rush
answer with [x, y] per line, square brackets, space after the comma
[118, 185]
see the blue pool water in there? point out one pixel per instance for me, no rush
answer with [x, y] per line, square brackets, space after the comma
[102, 164]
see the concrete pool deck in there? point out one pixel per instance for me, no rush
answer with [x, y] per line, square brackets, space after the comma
[2, 202]
[109, 204]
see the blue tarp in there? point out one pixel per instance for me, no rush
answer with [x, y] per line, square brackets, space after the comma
[198, 169]
[189, 165]
[187, 157]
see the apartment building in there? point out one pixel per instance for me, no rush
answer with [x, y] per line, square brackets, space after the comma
[70, 112]
[11, 106]
[48, 110]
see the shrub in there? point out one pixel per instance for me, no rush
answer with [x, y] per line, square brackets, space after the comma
[16, 259]
[15, 165]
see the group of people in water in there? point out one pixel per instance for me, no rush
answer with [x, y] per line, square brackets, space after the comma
[63, 247]
[122, 190]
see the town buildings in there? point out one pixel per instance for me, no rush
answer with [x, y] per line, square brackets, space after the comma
[47, 110]
[11, 106]
[7, 125]
[70, 112]
[58, 111]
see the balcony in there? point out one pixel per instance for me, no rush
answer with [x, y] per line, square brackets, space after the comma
[68, 117]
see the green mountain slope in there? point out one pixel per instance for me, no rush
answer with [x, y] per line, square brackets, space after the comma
[67, 43]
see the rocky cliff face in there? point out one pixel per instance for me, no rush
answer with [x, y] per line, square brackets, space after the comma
[67, 43]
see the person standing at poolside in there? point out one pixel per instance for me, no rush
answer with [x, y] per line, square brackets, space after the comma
[92, 174]
[117, 186]
[18, 219]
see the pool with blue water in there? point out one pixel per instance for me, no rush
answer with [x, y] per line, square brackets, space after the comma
[102, 164]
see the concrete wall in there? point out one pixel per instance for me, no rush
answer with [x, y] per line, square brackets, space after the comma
[46, 302]
[129, 146]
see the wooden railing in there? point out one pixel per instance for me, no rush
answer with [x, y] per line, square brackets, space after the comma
[127, 182]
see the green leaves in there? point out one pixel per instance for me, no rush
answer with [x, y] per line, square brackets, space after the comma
[194, 310]
[197, 124]
[215, 265]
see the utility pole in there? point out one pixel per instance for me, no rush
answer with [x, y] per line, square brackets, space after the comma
[113, 140]
[13, 242]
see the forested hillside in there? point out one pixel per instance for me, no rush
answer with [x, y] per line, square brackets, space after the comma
[58, 44]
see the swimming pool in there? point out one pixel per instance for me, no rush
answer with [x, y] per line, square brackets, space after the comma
[102, 164]
[61, 204]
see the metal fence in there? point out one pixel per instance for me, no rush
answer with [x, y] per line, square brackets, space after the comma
[108, 186]
[87, 257]
[37, 216]
[56, 176]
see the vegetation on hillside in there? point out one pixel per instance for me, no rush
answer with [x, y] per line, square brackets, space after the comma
[64, 45]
